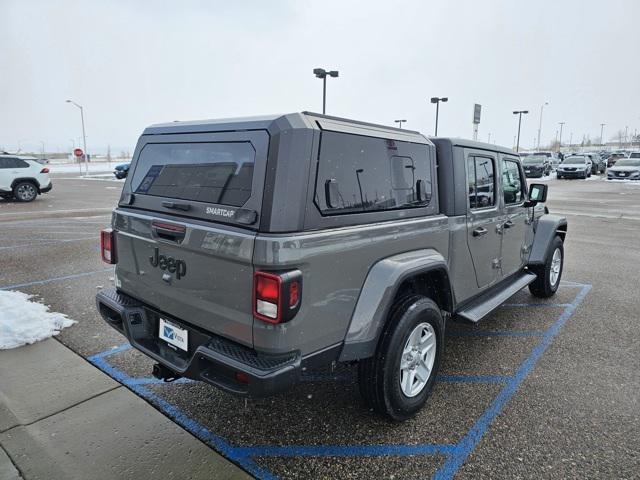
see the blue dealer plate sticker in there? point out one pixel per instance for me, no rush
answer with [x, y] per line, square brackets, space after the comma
[176, 336]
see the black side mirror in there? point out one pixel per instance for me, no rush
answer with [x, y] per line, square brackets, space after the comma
[537, 193]
[331, 193]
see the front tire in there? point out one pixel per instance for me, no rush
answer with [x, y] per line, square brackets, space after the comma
[25, 192]
[398, 379]
[548, 275]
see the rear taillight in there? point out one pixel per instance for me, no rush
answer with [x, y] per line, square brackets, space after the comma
[44, 170]
[276, 296]
[108, 246]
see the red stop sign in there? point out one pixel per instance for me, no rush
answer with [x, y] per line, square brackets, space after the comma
[78, 152]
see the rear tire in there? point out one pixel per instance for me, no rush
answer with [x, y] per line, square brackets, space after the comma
[398, 379]
[25, 192]
[548, 275]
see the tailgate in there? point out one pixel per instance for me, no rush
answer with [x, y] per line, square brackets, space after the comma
[203, 277]
[186, 225]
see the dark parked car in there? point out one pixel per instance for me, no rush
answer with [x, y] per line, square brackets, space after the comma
[536, 165]
[122, 170]
[598, 164]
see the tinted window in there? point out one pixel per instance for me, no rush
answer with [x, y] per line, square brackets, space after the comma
[11, 162]
[203, 172]
[481, 179]
[512, 182]
[358, 173]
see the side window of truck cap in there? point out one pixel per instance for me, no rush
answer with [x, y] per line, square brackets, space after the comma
[357, 173]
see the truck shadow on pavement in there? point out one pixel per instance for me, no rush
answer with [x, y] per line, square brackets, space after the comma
[322, 426]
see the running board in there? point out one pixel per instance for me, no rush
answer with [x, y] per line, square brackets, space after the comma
[494, 297]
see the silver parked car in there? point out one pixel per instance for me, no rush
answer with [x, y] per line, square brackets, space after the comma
[575, 166]
[625, 168]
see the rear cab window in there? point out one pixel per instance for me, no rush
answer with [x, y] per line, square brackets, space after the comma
[217, 177]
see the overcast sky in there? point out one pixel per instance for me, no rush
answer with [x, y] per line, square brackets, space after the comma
[135, 63]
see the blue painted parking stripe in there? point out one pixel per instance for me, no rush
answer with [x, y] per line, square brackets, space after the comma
[235, 454]
[473, 378]
[55, 279]
[495, 333]
[344, 450]
[122, 348]
[456, 454]
[470, 441]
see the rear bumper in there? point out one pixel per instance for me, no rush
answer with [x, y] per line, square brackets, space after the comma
[47, 188]
[210, 359]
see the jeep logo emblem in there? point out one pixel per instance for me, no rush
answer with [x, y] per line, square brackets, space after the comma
[170, 264]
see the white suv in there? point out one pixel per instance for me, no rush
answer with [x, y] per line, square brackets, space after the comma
[23, 178]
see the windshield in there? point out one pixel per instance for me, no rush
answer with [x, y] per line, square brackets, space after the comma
[534, 159]
[628, 162]
[574, 161]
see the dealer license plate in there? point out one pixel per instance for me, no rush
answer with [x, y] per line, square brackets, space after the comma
[174, 335]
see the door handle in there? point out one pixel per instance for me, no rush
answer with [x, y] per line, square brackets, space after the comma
[507, 224]
[480, 231]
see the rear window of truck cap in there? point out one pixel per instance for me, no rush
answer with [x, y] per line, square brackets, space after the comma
[211, 172]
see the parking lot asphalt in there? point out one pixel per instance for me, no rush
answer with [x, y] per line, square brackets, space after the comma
[540, 389]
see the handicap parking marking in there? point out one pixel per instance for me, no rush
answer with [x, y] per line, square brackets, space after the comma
[455, 454]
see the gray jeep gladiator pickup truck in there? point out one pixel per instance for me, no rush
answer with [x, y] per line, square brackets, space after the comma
[247, 250]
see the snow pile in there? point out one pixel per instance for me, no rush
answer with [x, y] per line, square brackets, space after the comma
[23, 321]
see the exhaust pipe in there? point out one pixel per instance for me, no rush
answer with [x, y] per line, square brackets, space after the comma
[163, 373]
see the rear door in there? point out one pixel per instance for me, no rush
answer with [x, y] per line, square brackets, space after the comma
[5, 173]
[186, 226]
[484, 218]
[516, 222]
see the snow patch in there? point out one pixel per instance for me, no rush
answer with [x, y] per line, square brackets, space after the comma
[23, 321]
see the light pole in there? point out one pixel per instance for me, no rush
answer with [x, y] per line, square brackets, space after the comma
[570, 139]
[489, 139]
[602, 133]
[322, 73]
[399, 122]
[540, 125]
[437, 101]
[519, 113]
[560, 141]
[358, 172]
[84, 136]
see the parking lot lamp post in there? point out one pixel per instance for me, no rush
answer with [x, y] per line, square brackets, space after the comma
[560, 141]
[358, 172]
[519, 113]
[437, 101]
[540, 124]
[602, 133]
[84, 136]
[322, 73]
[399, 122]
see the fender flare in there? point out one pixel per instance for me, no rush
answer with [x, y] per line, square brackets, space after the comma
[377, 294]
[546, 228]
